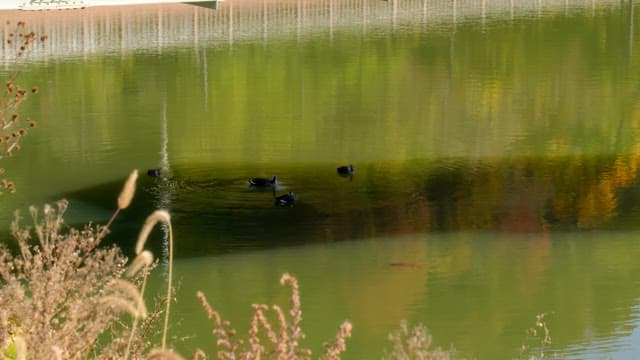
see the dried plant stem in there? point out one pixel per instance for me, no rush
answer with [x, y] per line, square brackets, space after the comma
[135, 320]
[124, 200]
[103, 231]
[169, 283]
[164, 217]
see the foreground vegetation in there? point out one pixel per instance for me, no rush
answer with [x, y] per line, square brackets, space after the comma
[67, 297]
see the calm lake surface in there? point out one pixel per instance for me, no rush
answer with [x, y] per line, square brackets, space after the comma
[497, 156]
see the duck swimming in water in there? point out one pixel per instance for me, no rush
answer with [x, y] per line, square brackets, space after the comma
[289, 199]
[263, 183]
[348, 170]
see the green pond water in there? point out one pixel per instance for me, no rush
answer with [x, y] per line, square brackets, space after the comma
[497, 158]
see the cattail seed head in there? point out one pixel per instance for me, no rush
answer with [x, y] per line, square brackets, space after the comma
[128, 190]
[152, 220]
[143, 259]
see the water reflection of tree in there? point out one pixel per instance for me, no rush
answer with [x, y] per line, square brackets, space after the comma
[528, 194]
[531, 194]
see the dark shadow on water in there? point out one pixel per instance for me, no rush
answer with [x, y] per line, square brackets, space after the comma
[215, 211]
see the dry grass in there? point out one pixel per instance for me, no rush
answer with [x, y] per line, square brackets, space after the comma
[13, 127]
[267, 341]
[61, 295]
[415, 344]
[64, 297]
[538, 339]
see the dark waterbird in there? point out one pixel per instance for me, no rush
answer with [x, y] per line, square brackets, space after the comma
[153, 172]
[289, 199]
[347, 170]
[262, 182]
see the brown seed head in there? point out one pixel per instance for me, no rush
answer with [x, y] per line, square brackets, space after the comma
[128, 190]
[152, 220]
[143, 259]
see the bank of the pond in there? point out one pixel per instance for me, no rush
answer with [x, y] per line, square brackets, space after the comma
[154, 26]
[82, 4]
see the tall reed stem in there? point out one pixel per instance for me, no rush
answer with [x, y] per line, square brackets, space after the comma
[169, 283]
[150, 222]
